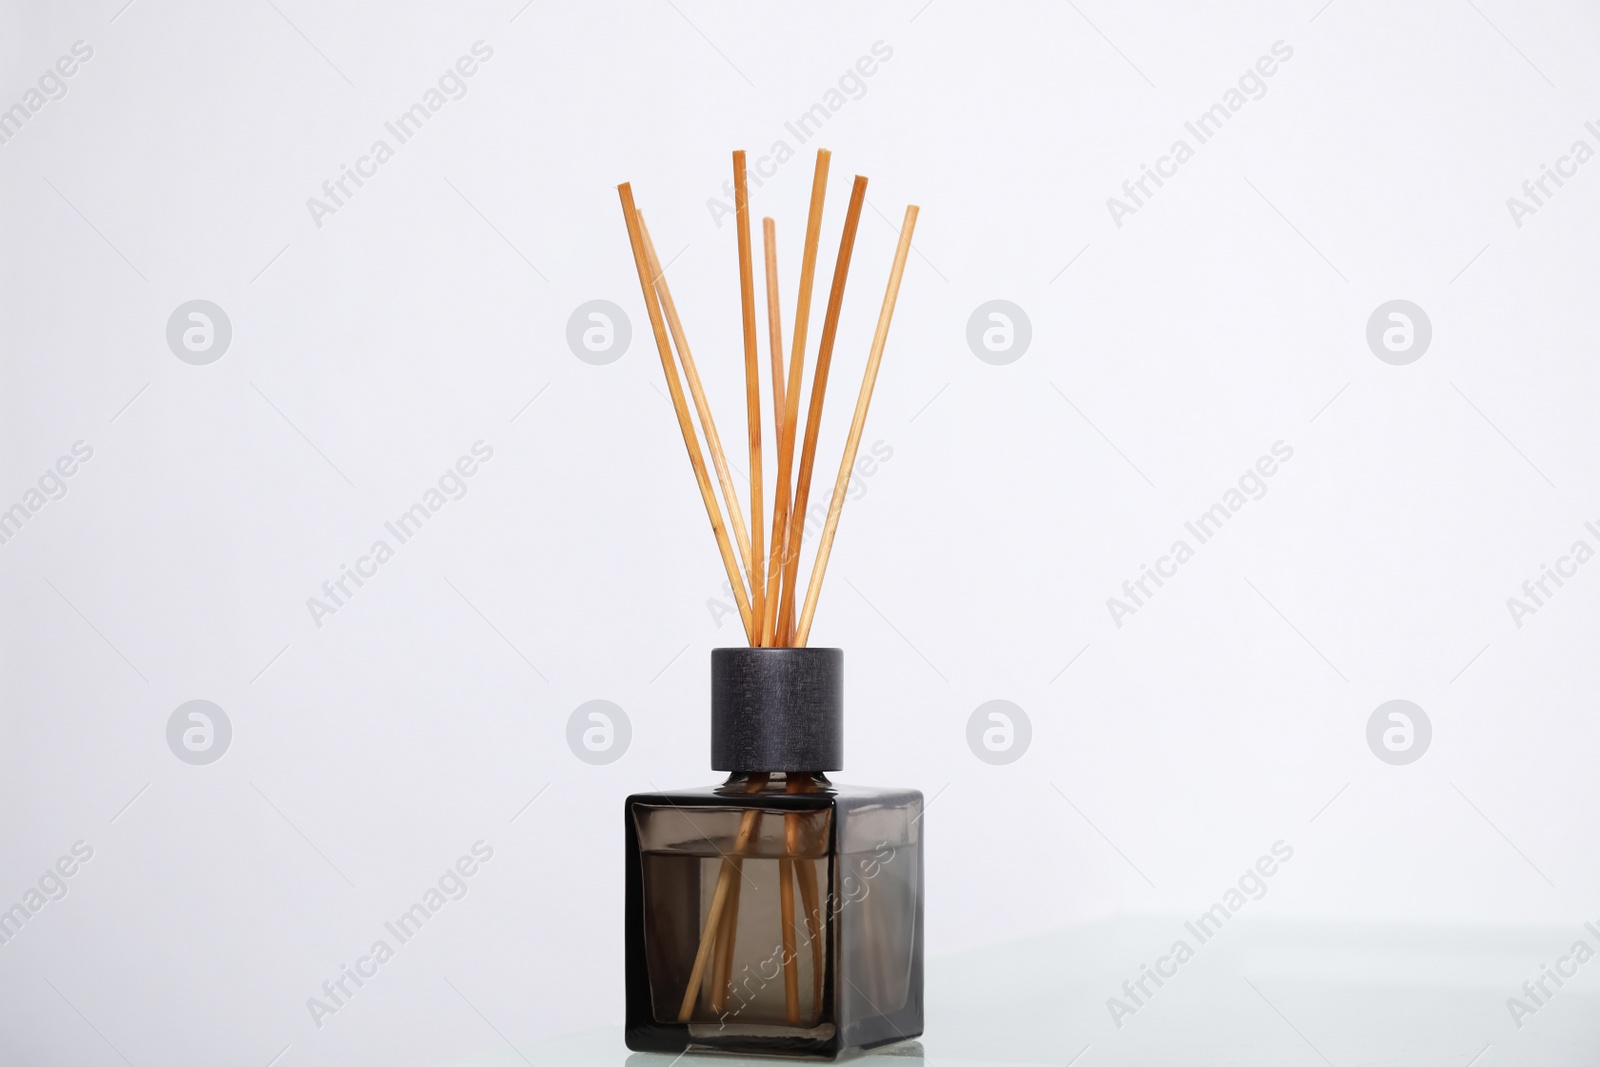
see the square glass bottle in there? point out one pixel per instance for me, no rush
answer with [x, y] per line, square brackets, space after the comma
[777, 913]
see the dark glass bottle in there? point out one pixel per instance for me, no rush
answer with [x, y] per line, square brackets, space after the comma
[776, 913]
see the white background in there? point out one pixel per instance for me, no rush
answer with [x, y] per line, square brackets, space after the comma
[1168, 353]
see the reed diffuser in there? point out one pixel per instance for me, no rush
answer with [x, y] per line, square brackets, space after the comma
[776, 913]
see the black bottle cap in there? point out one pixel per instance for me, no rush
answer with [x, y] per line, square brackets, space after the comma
[777, 709]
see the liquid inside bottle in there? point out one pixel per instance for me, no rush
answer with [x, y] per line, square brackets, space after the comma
[775, 913]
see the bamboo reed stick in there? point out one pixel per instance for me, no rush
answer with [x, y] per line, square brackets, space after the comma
[780, 489]
[752, 392]
[819, 386]
[852, 443]
[641, 261]
[748, 825]
[708, 425]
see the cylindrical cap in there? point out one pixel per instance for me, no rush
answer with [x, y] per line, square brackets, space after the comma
[777, 709]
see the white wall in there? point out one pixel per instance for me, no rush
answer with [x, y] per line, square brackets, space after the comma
[1168, 353]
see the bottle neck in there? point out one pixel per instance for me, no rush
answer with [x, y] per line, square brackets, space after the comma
[775, 782]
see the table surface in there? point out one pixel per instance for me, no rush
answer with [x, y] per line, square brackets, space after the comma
[1255, 992]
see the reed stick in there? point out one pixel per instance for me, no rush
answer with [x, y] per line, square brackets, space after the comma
[808, 274]
[819, 386]
[726, 935]
[630, 216]
[786, 876]
[791, 963]
[769, 249]
[752, 391]
[797, 353]
[780, 489]
[708, 425]
[852, 443]
[810, 900]
[748, 825]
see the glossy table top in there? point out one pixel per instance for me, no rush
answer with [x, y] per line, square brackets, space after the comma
[1253, 992]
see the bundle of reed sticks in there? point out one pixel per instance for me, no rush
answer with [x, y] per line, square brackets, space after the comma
[763, 560]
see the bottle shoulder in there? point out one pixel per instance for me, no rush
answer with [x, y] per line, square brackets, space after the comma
[851, 802]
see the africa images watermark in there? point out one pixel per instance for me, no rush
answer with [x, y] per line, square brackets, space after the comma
[816, 517]
[52, 85]
[1537, 591]
[1253, 881]
[1536, 992]
[337, 592]
[451, 885]
[337, 191]
[52, 485]
[1252, 85]
[51, 886]
[853, 890]
[1538, 190]
[851, 85]
[1203, 528]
